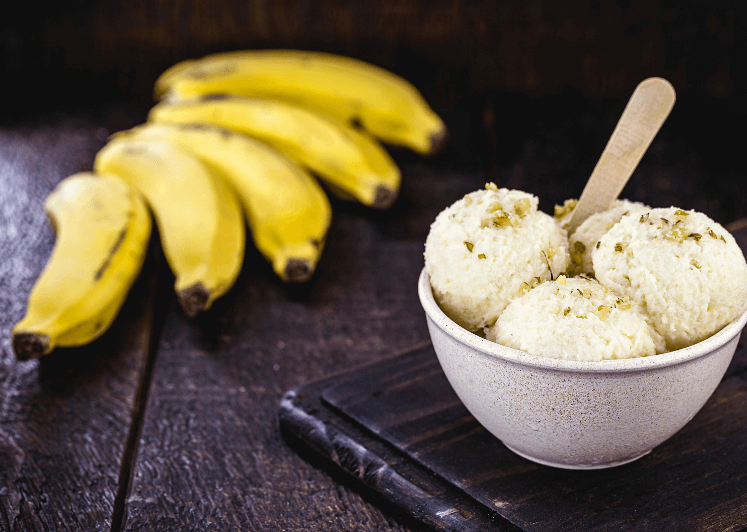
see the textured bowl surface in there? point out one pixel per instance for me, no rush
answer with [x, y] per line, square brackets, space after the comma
[571, 414]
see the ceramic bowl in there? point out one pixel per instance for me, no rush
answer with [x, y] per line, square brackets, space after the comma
[577, 415]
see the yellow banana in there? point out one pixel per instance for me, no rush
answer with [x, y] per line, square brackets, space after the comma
[349, 90]
[198, 216]
[349, 161]
[103, 228]
[287, 211]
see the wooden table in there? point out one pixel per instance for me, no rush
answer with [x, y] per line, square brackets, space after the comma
[167, 423]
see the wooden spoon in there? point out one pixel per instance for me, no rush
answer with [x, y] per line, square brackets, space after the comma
[646, 111]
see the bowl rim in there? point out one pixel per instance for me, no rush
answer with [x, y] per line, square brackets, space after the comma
[497, 351]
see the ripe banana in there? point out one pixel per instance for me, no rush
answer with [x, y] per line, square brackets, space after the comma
[197, 214]
[352, 163]
[103, 228]
[349, 90]
[287, 211]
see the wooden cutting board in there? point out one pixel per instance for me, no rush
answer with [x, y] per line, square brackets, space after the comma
[396, 430]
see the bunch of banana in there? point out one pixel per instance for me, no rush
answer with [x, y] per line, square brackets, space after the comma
[350, 91]
[351, 162]
[234, 129]
[287, 211]
[102, 232]
[198, 216]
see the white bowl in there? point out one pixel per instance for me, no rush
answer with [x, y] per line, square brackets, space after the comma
[577, 415]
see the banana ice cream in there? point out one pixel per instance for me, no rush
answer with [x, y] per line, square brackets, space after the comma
[637, 281]
[581, 243]
[488, 248]
[685, 271]
[576, 319]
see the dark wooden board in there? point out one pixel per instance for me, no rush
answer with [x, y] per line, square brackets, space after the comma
[67, 420]
[386, 426]
[355, 457]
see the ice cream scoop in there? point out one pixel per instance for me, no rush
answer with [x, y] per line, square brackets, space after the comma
[486, 249]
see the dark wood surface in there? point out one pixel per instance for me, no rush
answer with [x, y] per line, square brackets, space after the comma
[169, 424]
[453, 50]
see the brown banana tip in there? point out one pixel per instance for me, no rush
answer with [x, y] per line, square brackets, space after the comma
[439, 140]
[30, 345]
[298, 271]
[384, 198]
[194, 300]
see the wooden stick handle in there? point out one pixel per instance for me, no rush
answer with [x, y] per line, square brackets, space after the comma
[642, 118]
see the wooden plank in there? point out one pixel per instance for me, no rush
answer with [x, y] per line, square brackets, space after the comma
[65, 420]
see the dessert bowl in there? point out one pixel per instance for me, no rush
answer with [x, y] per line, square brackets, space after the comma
[572, 414]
